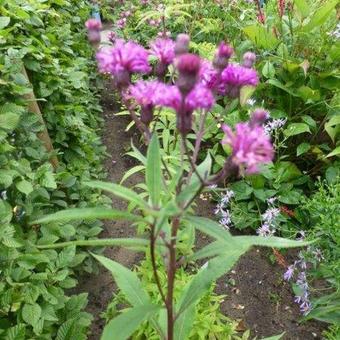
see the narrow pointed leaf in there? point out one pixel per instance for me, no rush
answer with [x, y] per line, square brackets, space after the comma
[123, 326]
[153, 173]
[275, 242]
[202, 281]
[119, 191]
[127, 281]
[133, 243]
[78, 214]
[184, 323]
[208, 227]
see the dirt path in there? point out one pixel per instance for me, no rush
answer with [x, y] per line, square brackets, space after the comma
[101, 287]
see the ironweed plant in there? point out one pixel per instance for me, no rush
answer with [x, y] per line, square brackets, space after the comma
[189, 86]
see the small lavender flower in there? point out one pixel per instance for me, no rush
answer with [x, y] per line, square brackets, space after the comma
[274, 125]
[249, 59]
[225, 199]
[289, 273]
[271, 200]
[265, 231]
[270, 215]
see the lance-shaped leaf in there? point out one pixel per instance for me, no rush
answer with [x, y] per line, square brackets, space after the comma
[133, 243]
[153, 173]
[123, 326]
[184, 323]
[78, 214]
[127, 281]
[208, 227]
[119, 191]
[275, 242]
[202, 281]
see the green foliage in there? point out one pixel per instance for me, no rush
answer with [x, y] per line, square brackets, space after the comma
[320, 217]
[206, 318]
[47, 38]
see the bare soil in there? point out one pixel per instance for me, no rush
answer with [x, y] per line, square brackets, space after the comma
[255, 292]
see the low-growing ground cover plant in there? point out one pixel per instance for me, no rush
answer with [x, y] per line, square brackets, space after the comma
[48, 40]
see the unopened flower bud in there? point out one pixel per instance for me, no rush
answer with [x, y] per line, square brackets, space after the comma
[188, 66]
[249, 59]
[224, 52]
[182, 44]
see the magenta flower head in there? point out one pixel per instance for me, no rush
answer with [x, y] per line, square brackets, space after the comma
[250, 145]
[93, 25]
[93, 30]
[224, 52]
[235, 76]
[208, 75]
[146, 93]
[249, 59]
[164, 51]
[182, 44]
[123, 59]
[198, 98]
[188, 66]
[258, 117]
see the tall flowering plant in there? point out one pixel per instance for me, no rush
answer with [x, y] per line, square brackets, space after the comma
[190, 90]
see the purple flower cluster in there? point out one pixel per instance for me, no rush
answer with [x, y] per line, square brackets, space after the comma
[196, 83]
[298, 269]
[250, 146]
[123, 59]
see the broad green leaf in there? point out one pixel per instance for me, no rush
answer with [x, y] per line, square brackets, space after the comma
[335, 152]
[31, 313]
[134, 243]
[153, 174]
[245, 93]
[332, 127]
[321, 15]
[260, 36]
[268, 70]
[123, 326]
[78, 214]
[119, 191]
[9, 121]
[278, 84]
[127, 281]
[302, 148]
[4, 22]
[208, 227]
[24, 187]
[296, 129]
[302, 7]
